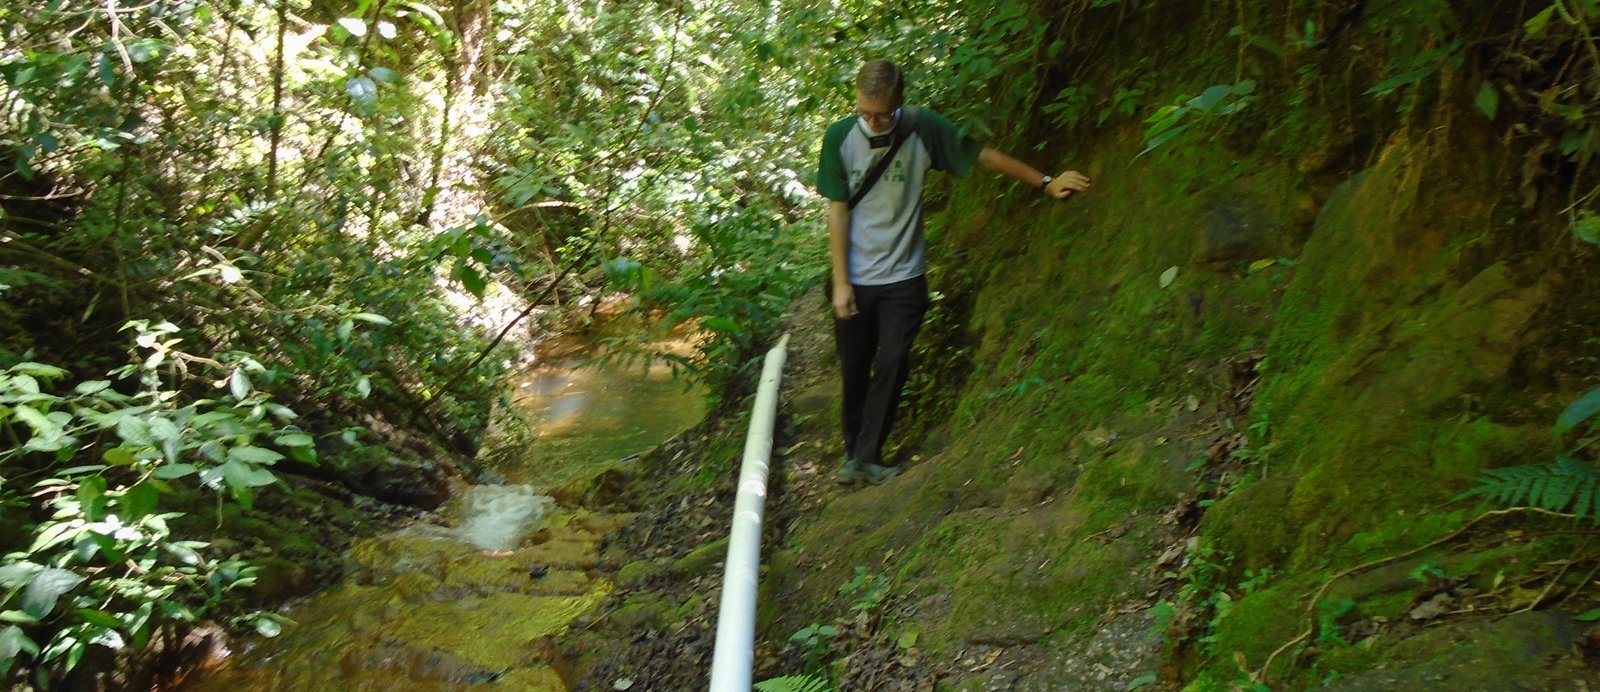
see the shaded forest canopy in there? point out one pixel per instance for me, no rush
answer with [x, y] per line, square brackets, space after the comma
[258, 253]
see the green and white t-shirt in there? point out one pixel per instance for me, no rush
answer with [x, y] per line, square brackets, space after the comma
[886, 243]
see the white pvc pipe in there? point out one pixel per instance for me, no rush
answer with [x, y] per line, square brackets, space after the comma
[734, 657]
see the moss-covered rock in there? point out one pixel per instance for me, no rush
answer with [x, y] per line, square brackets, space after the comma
[702, 559]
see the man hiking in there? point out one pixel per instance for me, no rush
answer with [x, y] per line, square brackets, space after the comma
[872, 172]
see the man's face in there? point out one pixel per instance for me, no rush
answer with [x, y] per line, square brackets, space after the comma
[877, 113]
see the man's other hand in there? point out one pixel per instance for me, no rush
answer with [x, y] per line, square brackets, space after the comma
[844, 302]
[1062, 186]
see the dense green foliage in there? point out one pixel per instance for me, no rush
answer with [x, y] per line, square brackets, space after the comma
[243, 240]
[218, 216]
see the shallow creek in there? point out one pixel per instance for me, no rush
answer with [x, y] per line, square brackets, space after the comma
[459, 598]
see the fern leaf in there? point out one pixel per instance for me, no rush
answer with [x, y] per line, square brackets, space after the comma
[1583, 507]
[1558, 492]
[795, 683]
[1536, 491]
[1564, 485]
[1518, 490]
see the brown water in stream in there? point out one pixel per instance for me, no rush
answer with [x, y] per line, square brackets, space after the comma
[459, 599]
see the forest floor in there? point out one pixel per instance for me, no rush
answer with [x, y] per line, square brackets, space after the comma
[658, 628]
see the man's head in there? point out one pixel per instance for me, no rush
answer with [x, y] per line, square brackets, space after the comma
[880, 90]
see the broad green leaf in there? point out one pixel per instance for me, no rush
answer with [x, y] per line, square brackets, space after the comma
[1261, 264]
[239, 384]
[185, 554]
[1587, 229]
[294, 439]
[1141, 682]
[14, 641]
[364, 386]
[470, 279]
[91, 496]
[1400, 80]
[107, 637]
[134, 431]
[54, 534]
[107, 70]
[1210, 97]
[164, 430]
[172, 471]
[47, 586]
[18, 574]
[383, 74]
[303, 454]
[242, 495]
[720, 324]
[41, 424]
[251, 454]
[1162, 138]
[1536, 24]
[98, 617]
[281, 412]
[241, 475]
[92, 387]
[268, 627]
[363, 91]
[1168, 276]
[1488, 100]
[1161, 113]
[38, 370]
[1165, 125]
[370, 317]
[1590, 616]
[1580, 411]
[106, 544]
[75, 649]
[346, 327]
[138, 501]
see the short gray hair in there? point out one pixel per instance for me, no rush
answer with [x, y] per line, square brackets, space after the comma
[881, 79]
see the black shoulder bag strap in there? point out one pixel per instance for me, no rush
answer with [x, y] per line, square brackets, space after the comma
[902, 132]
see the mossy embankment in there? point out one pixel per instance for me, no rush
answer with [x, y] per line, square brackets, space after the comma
[1376, 298]
[1206, 424]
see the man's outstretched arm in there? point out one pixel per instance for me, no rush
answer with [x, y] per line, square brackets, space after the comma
[991, 159]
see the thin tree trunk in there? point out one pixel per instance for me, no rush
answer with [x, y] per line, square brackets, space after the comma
[277, 103]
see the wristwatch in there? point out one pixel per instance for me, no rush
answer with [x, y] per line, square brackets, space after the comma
[1043, 184]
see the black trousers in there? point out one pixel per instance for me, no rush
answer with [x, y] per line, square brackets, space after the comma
[875, 357]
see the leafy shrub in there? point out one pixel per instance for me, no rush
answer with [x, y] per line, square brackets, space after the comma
[102, 567]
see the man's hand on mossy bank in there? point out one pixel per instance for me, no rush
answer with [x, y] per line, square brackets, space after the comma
[1062, 186]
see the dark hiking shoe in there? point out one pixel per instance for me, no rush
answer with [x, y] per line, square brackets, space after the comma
[852, 471]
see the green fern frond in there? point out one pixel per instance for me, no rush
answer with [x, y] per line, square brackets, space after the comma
[795, 683]
[1564, 485]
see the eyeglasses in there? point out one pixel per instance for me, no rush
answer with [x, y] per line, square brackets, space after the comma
[878, 116]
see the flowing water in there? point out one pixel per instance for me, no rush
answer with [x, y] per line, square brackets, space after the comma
[466, 596]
